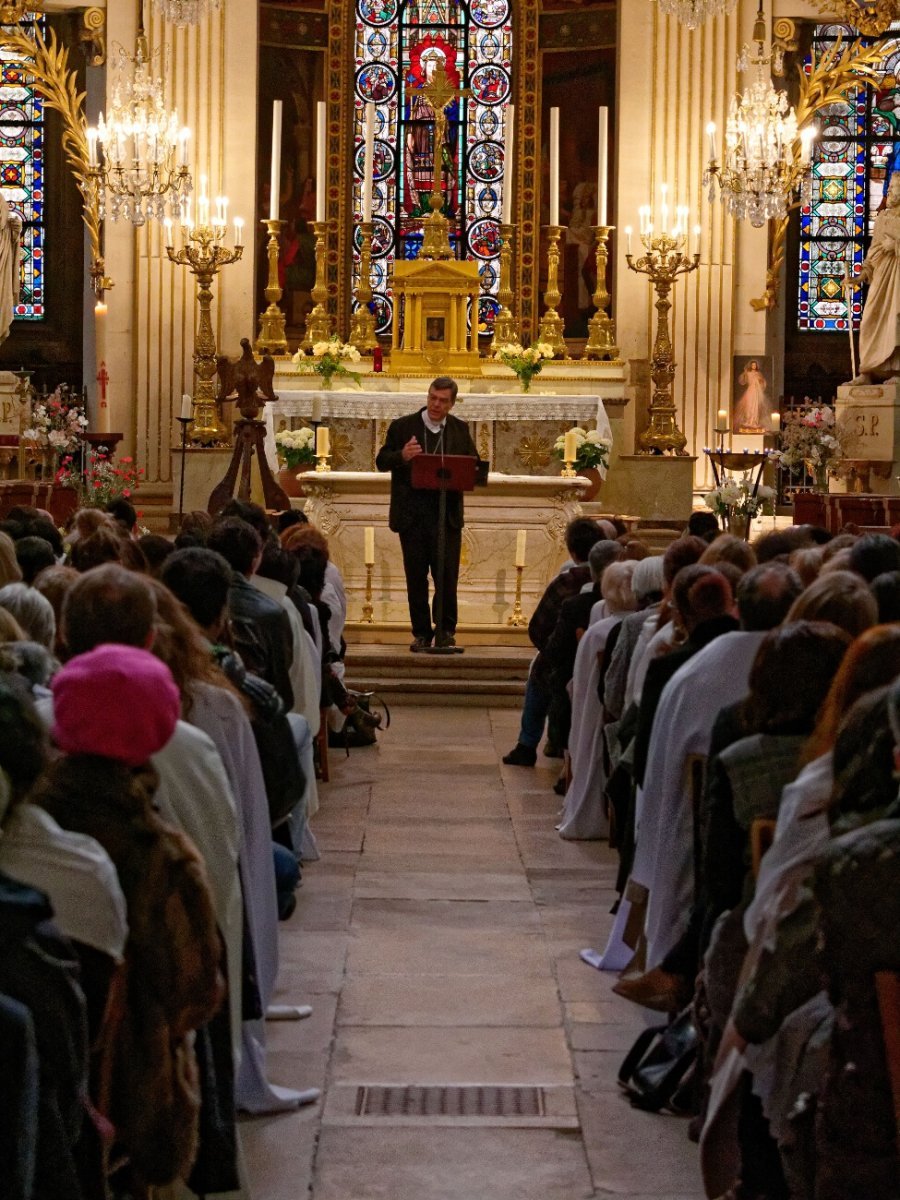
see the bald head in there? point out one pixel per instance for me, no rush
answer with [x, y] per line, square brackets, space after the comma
[765, 595]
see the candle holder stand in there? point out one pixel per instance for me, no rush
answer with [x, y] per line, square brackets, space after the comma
[601, 341]
[204, 254]
[322, 463]
[662, 263]
[517, 619]
[505, 324]
[368, 612]
[568, 471]
[551, 326]
[362, 323]
[271, 338]
[183, 422]
[319, 325]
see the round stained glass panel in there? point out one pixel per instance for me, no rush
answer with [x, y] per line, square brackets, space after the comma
[383, 310]
[484, 239]
[377, 12]
[382, 160]
[376, 82]
[489, 13]
[486, 161]
[490, 85]
[488, 123]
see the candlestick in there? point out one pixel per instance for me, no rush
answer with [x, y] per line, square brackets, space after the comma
[271, 337]
[362, 322]
[369, 545]
[368, 612]
[603, 167]
[183, 421]
[554, 166]
[601, 341]
[517, 619]
[570, 453]
[320, 161]
[521, 543]
[505, 323]
[319, 323]
[323, 442]
[551, 325]
[368, 161]
[775, 419]
[509, 119]
[275, 176]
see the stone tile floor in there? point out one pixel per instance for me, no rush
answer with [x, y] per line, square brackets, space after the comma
[437, 940]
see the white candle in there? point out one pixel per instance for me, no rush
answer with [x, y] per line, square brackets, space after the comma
[627, 239]
[508, 127]
[570, 446]
[696, 239]
[275, 177]
[92, 136]
[554, 166]
[167, 225]
[323, 442]
[521, 541]
[776, 422]
[320, 161]
[187, 409]
[182, 146]
[711, 134]
[721, 420]
[664, 220]
[238, 231]
[203, 203]
[369, 157]
[602, 168]
[369, 551]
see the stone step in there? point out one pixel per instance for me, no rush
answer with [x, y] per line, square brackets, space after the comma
[483, 675]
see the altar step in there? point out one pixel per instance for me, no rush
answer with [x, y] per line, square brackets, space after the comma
[492, 676]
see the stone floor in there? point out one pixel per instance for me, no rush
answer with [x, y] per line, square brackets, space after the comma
[438, 940]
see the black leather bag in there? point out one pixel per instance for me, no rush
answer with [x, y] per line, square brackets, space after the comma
[658, 1062]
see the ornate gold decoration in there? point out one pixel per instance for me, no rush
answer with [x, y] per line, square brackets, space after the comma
[433, 297]
[662, 263]
[57, 85]
[484, 443]
[870, 17]
[534, 452]
[439, 93]
[505, 324]
[517, 618]
[840, 68]
[601, 341]
[341, 448]
[14, 11]
[368, 611]
[271, 322]
[362, 323]
[551, 326]
[319, 325]
[92, 35]
[526, 215]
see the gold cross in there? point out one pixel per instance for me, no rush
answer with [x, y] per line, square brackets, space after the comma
[438, 91]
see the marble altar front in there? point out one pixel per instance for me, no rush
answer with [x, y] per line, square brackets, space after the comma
[343, 503]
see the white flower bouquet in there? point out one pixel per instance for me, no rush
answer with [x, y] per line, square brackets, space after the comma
[525, 362]
[296, 447]
[592, 448]
[327, 359]
[57, 422]
[738, 497]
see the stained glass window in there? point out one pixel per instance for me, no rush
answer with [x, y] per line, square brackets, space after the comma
[398, 45]
[857, 151]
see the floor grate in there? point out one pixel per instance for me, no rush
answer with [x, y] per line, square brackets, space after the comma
[480, 1101]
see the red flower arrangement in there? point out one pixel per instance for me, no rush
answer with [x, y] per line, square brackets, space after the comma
[101, 480]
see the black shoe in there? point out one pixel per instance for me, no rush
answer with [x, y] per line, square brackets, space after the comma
[551, 751]
[445, 639]
[420, 645]
[560, 786]
[521, 756]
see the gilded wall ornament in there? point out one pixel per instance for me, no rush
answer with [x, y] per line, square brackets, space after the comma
[871, 17]
[534, 452]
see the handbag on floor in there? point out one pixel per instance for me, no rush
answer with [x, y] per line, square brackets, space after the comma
[658, 1062]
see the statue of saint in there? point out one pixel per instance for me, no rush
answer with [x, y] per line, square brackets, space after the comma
[10, 244]
[879, 332]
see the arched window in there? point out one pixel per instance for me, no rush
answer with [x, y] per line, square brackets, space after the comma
[22, 172]
[857, 151]
[398, 44]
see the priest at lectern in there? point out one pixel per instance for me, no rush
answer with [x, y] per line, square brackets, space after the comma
[415, 511]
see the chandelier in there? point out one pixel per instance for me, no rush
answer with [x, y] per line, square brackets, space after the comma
[137, 155]
[185, 12]
[14, 11]
[759, 175]
[870, 17]
[693, 13]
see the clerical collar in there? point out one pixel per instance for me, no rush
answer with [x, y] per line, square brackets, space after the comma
[430, 425]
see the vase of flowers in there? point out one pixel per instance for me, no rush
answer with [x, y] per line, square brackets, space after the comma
[812, 440]
[736, 502]
[526, 363]
[327, 360]
[591, 456]
[101, 480]
[57, 424]
[296, 449]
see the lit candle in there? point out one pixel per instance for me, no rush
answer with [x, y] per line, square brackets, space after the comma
[92, 136]
[570, 446]
[323, 442]
[320, 161]
[628, 239]
[697, 239]
[100, 309]
[369, 550]
[721, 420]
[509, 119]
[275, 177]
[187, 408]
[776, 422]
[554, 166]
[368, 160]
[711, 134]
[167, 225]
[238, 231]
[521, 541]
[807, 137]
[602, 168]
[182, 146]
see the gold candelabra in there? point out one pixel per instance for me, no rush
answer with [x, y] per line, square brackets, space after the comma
[368, 612]
[551, 326]
[271, 322]
[204, 253]
[322, 463]
[517, 618]
[319, 324]
[601, 341]
[362, 323]
[439, 92]
[505, 322]
[662, 263]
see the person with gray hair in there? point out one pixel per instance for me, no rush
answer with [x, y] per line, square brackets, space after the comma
[33, 611]
[648, 584]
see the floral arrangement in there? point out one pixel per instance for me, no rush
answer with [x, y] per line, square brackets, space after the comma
[57, 422]
[327, 359]
[102, 480]
[592, 448]
[525, 363]
[738, 497]
[811, 438]
[296, 447]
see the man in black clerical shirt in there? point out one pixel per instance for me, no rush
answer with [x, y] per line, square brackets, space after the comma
[414, 511]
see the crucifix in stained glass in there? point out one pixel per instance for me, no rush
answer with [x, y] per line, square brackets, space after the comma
[439, 93]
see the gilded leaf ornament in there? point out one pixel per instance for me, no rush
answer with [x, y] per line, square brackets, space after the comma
[534, 452]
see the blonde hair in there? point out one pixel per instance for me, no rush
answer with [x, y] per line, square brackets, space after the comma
[616, 586]
[9, 566]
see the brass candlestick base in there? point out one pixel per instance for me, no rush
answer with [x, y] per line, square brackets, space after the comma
[601, 341]
[205, 255]
[368, 612]
[517, 619]
[362, 323]
[568, 471]
[505, 323]
[551, 326]
[662, 263]
[271, 338]
[319, 325]
[322, 463]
